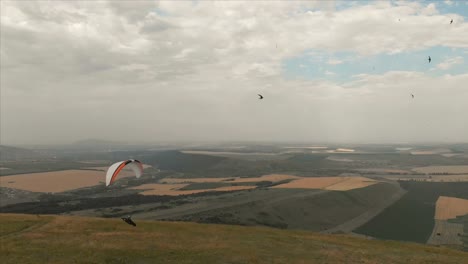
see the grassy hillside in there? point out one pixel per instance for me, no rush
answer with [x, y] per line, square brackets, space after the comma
[58, 239]
[298, 209]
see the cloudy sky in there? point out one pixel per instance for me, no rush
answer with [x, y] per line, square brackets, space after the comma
[191, 70]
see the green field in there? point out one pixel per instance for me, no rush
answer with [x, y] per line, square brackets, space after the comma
[412, 217]
[295, 209]
[58, 239]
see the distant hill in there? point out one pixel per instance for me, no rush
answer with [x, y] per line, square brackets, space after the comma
[95, 144]
[59, 239]
[8, 153]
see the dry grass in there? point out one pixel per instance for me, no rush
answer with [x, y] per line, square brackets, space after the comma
[442, 169]
[450, 207]
[57, 181]
[58, 239]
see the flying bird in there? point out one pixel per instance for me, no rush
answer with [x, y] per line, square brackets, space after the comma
[260, 96]
[128, 220]
[429, 59]
[451, 21]
[412, 95]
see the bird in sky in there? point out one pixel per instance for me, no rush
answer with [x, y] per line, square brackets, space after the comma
[412, 95]
[451, 21]
[260, 96]
[429, 59]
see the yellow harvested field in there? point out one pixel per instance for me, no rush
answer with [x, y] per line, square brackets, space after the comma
[442, 169]
[56, 181]
[191, 180]
[351, 183]
[174, 189]
[450, 207]
[328, 183]
[172, 186]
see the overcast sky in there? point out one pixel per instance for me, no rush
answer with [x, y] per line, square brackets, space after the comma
[167, 71]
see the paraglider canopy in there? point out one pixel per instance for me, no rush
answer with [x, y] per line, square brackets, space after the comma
[115, 169]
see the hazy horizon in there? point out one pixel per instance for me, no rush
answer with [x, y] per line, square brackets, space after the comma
[185, 71]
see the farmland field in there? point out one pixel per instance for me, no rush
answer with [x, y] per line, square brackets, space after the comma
[450, 207]
[56, 181]
[442, 169]
[176, 189]
[328, 183]
[412, 217]
[446, 233]
[430, 178]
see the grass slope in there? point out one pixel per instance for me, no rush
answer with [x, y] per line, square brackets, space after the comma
[58, 239]
[298, 209]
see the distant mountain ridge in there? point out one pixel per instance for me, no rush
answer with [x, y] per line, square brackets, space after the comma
[8, 153]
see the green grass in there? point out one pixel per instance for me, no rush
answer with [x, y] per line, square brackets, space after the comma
[94, 240]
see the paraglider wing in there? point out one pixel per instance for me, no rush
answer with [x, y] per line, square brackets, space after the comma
[137, 168]
[117, 167]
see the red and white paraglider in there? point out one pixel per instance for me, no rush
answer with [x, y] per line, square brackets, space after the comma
[115, 169]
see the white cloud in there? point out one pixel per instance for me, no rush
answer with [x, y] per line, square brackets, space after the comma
[449, 63]
[87, 67]
[334, 61]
